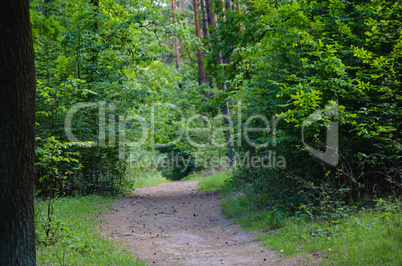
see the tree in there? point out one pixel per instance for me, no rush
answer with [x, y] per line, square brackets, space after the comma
[17, 135]
[201, 75]
[176, 42]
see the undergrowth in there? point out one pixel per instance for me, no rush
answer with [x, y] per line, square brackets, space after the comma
[72, 234]
[144, 178]
[207, 181]
[349, 235]
[371, 237]
[213, 182]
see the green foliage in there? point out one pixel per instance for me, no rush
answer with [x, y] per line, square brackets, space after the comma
[290, 60]
[53, 168]
[115, 56]
[243, 208]
[52, 161]
[107, 54]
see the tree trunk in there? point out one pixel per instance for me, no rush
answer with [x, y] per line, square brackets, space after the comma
[201, 75]
[176, 42]
[226, 108]
[239, 12]
[205, 29]
[204, 19]
[176, 53]
[17, 135]
[211, 15]
[228, 5]
[182, 45]
[95, 53]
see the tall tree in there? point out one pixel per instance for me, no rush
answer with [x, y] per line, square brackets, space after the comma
[228, 7]
[226, 108]
[17, 135]
[176, 42]
[201, 74]
[210, 13]
[204, 19]
[205, 30]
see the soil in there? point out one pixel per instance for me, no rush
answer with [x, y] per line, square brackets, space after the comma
[174, 223]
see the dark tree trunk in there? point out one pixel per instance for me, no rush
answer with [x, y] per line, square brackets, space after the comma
[211, 15]
[228, 6]
[95, 53]
[176, 53]
[205, 30]
[201, 74]
[204, 19]
[17, 135]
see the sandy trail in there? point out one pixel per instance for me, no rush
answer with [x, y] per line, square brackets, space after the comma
[174, 223]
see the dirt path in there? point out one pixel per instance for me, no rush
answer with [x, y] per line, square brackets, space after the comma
[174, 223]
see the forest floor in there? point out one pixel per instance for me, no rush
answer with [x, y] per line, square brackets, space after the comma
[175, 223]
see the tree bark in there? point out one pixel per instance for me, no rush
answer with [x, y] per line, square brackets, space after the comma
[201, 74]
[17, 135]
[211, 15]
[204, 19]
[205, 29]
[176, 42]
[228, 5]
[94, 50]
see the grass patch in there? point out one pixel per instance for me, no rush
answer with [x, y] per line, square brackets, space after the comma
[235, 205]
[371, 237]
[214, 182]
[195, 176]
[146, 178]
[73, 238]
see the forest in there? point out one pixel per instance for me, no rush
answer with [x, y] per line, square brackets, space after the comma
[292, 108]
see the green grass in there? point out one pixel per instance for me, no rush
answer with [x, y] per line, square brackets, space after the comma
[146, 178]
[214, 182]
[370, 238]
[361, 238]
[75, 236]
[195, 176]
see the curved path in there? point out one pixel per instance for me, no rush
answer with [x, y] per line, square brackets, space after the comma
[174, 223]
